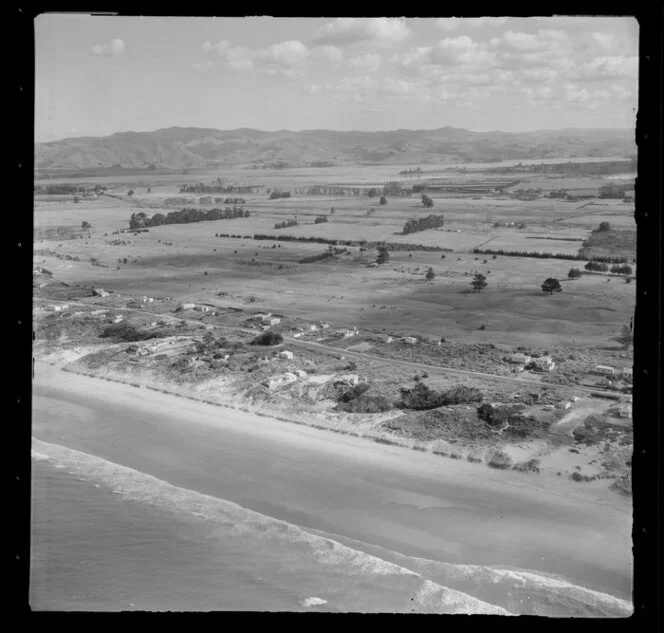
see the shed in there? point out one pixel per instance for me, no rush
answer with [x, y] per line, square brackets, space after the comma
[286, 354]
[411, 340]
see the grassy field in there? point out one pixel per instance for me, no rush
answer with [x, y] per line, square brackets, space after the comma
[173, 260]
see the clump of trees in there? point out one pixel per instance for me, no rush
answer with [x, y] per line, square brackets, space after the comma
[625, 269]
[285, 224]
[574, 273]
[279, 194]
[430, 275]
[383, 255]
[551, 285]
[626, 337]
[422, 224]
[320, 219]
[427, 202]
[595, 266]
[383, 200]
[186, 216]
[85, 225]
[478, 282]
[604, 227]
[268, 338]
[124, 331]
[421, 397]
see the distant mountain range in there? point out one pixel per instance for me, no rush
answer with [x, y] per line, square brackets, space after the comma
[195, 148]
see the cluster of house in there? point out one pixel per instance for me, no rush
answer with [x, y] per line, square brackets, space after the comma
[57, 307]
[612, 372]
[100, 292]
[265, 319]
[184, 306]
[540, 363]
[300, 331]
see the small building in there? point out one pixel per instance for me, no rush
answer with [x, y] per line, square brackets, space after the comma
[544, 363]
[628, 372]
[388, 339]
[519, 359]
[99, 292]
[411, 340]
[298, 335]
[286, 354]
[187, 306]
[345, 333]
[604, 370]
[150, 299]
[565, 404]
[312, 327]
[625, 411]
[548, 407]
[300, 373]
[575, 398]
[270, 321]
[324, 326]
[144, 299]
[351, 380]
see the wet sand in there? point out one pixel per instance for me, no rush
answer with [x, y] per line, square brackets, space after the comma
[415, 505]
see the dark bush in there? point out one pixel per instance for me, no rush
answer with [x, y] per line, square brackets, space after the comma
[462, 395]
[125, 332]
[421, 398]
[268, 338]
[500, 459]
[354, 392]
[366, 404]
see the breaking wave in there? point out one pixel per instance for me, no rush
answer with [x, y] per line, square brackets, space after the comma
[330, 575]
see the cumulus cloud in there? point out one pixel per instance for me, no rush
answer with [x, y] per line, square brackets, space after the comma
[369, 62]
[605, 68]
[329, 53]
[203, 66]
[285, 58]
[451, 24]
[114, 48]
[348, 31]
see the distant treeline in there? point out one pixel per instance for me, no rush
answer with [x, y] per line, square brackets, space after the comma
[186, 216]
[317, 190]
[276, 193]
[544, 255]
[392, 246]
[285, 224]
[430, 222]
[208, 200]
[329, 254]
[217, 188]
[62, 189]
[600, 168]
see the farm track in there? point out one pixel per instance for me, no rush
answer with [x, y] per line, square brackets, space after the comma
[377, 360]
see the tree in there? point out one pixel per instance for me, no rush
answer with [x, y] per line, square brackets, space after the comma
[427, 201]
[383, 200]
[430, 276]
[383, 255]
[208, 340]
[130, 192]
[604, 226]
[626, 337]
[149, 189]
[77, 199]
[574, 273]
[85, 225]
[478, 282]
[551, 285]
[373, 192]
[597, 267]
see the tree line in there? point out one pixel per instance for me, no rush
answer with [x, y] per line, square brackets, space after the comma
[545, 255]
[186, 216]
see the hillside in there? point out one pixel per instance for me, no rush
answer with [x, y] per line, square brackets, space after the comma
[191, 148]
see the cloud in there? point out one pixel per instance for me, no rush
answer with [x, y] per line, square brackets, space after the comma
[348, 31]
[604, 39]
[329, 53]
[114, 48]
[451, 24]
[203, 66]
[605, 68]
[369, 62]
[285, 58]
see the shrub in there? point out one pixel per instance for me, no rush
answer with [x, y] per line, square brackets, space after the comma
[596, 266]
[500, 459]
[320, 219]
[421, 398]
[624, 269]
[125, 332]
[574, 273]
[532, 465]
[268, 338]
[354, 392]
[462, 395]
[366, 404]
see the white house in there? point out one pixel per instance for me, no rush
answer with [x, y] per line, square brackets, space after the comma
[411, 340]
[300, 373]
[351, 379]
[298, 335]
[519, 359]
[565, 404]
[99, 292]
[388, 339]
[544, 363]
[324, 326]
[604, 370]
[187, 306]
[271, 321]
[625, 411]
[312, 327]
[286, 354]
[628, 372]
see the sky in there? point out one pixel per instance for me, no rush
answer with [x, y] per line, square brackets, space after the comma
[97, 75]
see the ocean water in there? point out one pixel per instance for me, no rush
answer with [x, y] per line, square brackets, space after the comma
[106, 538]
